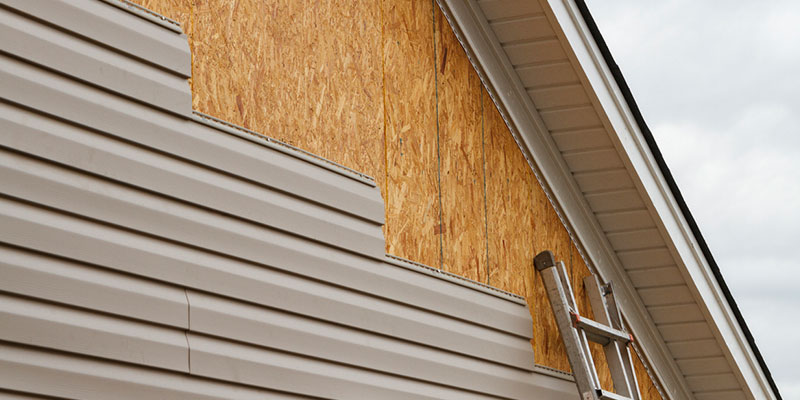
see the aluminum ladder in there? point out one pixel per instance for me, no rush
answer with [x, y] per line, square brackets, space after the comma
[576, 332]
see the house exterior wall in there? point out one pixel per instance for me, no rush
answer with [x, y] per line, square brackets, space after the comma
[147, 252]
[353, 82]
[384, 87]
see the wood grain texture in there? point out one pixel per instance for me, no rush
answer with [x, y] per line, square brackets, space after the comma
[511, 217]
[412, 186]
[461, 157]
[275, 67]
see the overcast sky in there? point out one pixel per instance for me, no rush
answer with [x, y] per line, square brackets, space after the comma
[719, 84]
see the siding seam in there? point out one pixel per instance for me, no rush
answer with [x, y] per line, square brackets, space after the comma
[186, 331]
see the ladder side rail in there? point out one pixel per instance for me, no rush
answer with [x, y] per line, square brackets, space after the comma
[583, 335]
[613, 310]
[563, 276]
[617, 353]
[574, 339]
[616, 318]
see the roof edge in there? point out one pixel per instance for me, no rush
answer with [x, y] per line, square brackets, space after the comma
[670, 180]
[527, 128]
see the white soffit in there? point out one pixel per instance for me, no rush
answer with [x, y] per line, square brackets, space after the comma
[570, 118]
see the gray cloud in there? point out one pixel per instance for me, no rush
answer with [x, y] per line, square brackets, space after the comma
[719, 84]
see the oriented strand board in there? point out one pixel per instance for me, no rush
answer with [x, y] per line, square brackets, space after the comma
[510, 215]
[460, 156]
[521, 222]
[275, 67]
[412, 184]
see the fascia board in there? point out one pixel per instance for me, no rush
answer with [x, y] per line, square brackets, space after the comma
[536, 144]
[655, 190]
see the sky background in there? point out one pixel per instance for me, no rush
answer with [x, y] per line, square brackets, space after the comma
[718, 83]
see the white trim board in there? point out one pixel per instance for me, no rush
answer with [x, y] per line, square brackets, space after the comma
[681, 241]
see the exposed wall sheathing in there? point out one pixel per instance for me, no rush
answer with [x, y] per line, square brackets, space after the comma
[511, 215]
[412, 184]
[460, 156]
[386, 89]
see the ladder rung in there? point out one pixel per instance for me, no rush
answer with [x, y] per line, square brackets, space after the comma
[604, 395]
[598, 332]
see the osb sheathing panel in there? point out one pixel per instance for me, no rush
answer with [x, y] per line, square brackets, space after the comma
[412, 185]
[274, 67]
[461, 157]
[511, 218]
[357, 82]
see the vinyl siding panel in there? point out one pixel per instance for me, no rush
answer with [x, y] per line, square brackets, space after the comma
[36, 275]
[90, 62]
[115, 28]
[149, 252]
[48, 373]
[35, 323]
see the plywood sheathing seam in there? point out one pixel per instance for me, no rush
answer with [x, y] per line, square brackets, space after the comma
[440, 229]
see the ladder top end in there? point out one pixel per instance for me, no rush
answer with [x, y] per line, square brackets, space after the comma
[544, 260]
